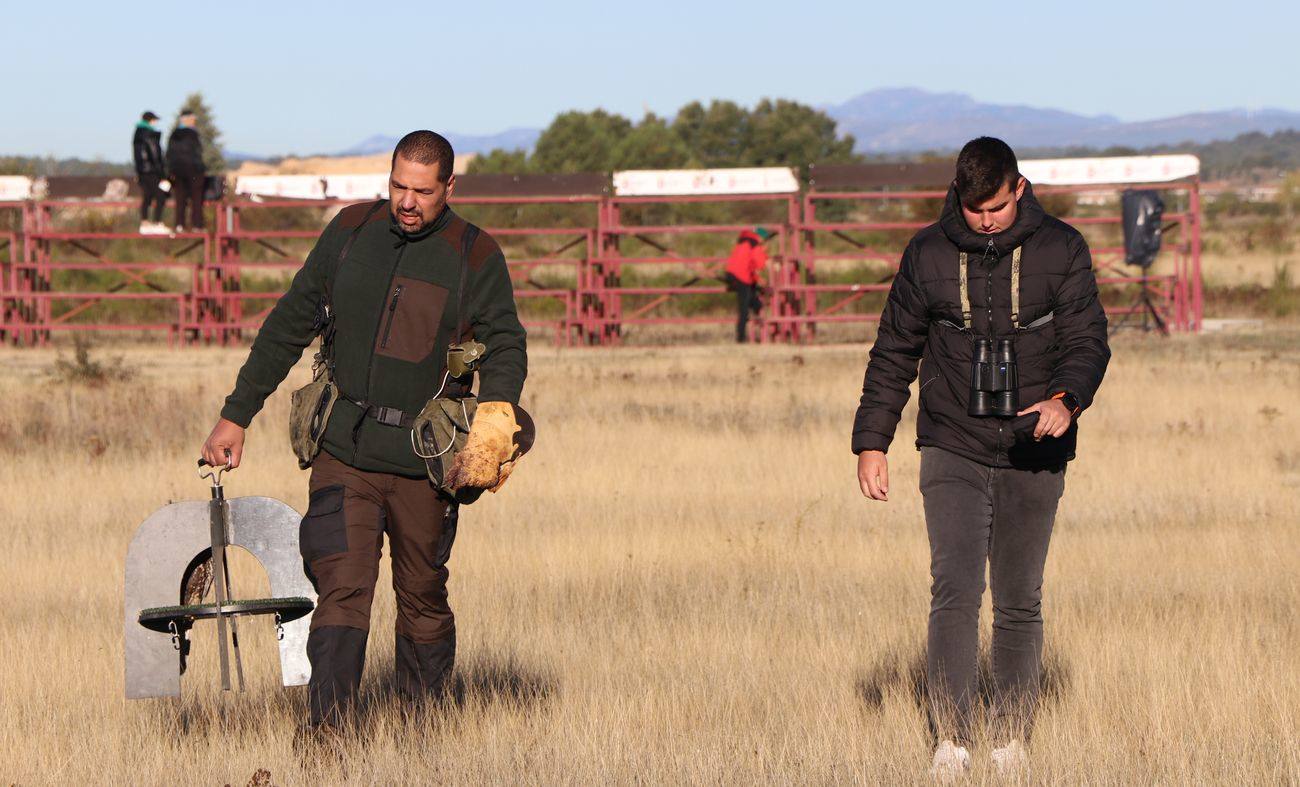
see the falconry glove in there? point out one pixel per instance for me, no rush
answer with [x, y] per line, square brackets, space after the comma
[500, 434]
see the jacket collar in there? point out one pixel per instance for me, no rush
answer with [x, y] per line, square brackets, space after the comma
[439, 223]
[1029, 217]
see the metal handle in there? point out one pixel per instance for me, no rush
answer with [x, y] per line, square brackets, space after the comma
[207, 470]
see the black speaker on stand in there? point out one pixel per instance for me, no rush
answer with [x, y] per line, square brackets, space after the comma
[1141, 212]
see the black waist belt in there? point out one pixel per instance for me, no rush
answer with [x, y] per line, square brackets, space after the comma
[390, 416]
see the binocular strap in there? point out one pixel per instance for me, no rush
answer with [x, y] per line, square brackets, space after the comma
[963, 286]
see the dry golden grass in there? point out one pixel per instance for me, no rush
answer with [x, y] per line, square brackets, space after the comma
[1245, 268]
[683, 584]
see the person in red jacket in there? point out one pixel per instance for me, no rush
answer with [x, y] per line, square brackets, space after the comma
[748, 257]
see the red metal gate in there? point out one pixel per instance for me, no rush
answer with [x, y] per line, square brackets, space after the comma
[613, 303]
[586, 265]
[1172, 298]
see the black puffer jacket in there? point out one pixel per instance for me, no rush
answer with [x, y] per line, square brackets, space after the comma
[922, 322]
[185, 153]
[146, 149]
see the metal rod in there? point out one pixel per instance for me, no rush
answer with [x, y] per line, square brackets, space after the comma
[217, 522]
[234, 630]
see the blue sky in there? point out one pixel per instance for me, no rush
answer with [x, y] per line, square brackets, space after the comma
[311, 77]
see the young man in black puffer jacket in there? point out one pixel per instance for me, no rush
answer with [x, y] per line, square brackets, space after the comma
[990, 483]
[146, 150]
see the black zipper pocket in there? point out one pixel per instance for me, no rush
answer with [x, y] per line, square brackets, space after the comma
[392, 312]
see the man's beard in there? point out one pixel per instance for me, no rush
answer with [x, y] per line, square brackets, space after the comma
[421, 227]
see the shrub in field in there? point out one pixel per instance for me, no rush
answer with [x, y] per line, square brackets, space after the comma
[85, 370]
[1281, 299]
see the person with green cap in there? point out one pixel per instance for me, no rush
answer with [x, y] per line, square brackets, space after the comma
[150, 170]
[748, 257]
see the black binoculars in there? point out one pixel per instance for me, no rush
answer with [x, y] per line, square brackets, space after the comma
[994, 380]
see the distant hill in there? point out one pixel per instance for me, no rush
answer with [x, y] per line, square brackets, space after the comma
[903, 120]
[510, 139]
[901, 123]
[909, 120]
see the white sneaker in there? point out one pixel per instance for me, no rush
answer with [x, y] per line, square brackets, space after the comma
[951, 762]
[152, 228]
[145, 228]
[1011, 760]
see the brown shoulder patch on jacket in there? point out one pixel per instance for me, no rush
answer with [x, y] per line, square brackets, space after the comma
[352, 215]
[454, 231]
[484, 247]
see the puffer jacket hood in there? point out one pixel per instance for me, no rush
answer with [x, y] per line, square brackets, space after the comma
[1028, 219]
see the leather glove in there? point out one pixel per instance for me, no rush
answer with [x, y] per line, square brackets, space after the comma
[496, 441]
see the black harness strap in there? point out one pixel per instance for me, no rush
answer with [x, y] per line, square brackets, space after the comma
[466, 246]
[327, 303]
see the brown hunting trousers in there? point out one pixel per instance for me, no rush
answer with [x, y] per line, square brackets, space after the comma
[341, 541]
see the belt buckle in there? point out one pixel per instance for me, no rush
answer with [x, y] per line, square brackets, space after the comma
[389, 416]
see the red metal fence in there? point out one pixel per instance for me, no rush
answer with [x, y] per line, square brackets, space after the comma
[1170, 298]
[583, 277]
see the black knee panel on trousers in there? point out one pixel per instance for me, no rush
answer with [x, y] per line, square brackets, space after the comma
[338, 657]
[423, 669]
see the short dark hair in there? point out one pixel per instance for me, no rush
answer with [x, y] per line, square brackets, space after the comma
[427, 147]
[984, 166]
[147, 116]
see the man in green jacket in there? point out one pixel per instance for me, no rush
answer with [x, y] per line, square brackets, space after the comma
[390, 270]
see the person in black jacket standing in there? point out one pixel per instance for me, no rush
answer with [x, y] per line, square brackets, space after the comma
[993, 267]
[185, 163]
[146, 149]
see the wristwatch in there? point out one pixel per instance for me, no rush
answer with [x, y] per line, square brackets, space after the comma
[1070, 401]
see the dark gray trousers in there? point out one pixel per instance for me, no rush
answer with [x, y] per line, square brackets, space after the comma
[976, 514]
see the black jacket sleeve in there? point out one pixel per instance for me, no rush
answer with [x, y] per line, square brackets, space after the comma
[904, 326]
[287, 331]
[139, 152]
[1080, 329]
[496, 325]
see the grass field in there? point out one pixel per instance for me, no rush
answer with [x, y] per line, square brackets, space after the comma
[682, 582]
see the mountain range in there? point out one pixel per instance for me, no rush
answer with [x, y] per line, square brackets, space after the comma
[903, 120]
[909, 120]
[510, 139]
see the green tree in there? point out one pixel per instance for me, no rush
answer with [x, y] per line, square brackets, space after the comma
[652, 144]
[717, 136]
[790, 134]
[500, 161]
[205, 123]
[723, 134]
[580, 142]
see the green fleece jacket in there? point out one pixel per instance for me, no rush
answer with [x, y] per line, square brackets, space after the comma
[395, 313]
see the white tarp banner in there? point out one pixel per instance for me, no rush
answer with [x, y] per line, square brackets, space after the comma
[288, 186]
[671, 182]
[357, 187]
[15, 188]
[1113, 169]
[349, 187]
